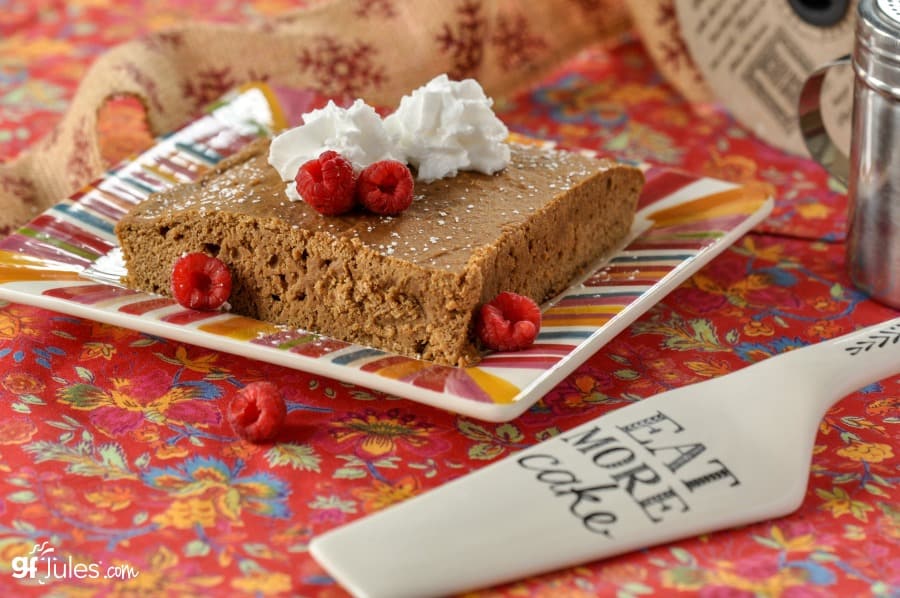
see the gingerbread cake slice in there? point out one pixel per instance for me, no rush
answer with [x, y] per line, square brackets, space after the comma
[408, 284]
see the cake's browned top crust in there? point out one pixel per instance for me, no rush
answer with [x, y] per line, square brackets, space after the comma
[449, 219]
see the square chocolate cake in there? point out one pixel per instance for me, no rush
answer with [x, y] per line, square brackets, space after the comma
[409, 284]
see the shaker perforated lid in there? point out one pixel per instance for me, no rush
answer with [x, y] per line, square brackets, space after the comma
[891, 9]
[876, 55]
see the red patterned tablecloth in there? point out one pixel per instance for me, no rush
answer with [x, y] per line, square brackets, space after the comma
[113, 447]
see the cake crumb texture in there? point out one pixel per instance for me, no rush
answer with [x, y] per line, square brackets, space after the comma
[407, 284]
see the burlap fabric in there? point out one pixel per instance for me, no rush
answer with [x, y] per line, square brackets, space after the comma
[656, 22]
[374, 49]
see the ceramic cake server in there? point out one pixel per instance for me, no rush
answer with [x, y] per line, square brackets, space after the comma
[717, 454]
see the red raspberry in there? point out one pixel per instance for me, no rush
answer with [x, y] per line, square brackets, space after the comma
[385, 187]
[327, 184]
[257, 412]
[200, 281]
[509, 322]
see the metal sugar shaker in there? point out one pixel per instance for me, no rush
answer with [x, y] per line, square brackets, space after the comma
[872, 173]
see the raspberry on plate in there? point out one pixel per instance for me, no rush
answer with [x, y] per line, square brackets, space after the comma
[385, 187]
[327, 184]
[509, 322]
[200, 281]
[257, 412]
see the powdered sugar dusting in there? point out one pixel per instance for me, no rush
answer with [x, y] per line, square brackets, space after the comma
[449, 219]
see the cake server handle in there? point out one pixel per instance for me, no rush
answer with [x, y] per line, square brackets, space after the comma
[726, 452]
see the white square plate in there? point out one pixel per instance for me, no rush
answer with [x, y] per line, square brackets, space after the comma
[682, 223]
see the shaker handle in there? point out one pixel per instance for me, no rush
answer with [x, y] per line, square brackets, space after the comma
[812, 127]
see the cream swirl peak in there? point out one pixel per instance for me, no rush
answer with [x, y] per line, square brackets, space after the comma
[440, 128]
[357, 132]
[446, 126]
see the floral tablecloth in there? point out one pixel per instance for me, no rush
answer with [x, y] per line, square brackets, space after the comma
[114, 452]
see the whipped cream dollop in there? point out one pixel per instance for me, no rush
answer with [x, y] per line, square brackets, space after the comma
[358, 133]
[446, 126]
